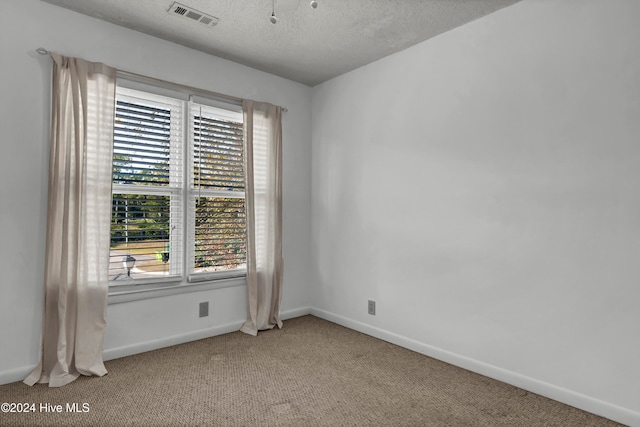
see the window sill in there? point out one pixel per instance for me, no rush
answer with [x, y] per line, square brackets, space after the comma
[131, 293]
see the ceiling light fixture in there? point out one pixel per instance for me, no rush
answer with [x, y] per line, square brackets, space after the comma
[274, 19]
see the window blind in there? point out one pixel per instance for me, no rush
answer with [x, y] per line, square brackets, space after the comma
[146, 220]
[218, 154]
[141, 148]
[217, 206]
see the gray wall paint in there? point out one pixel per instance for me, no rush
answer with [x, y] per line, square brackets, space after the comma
[24, 105]
[482, 187]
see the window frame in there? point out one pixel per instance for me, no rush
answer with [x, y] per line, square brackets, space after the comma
[187, 280]
[194, 192]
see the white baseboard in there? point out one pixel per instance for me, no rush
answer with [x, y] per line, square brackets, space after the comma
[569, 397]
[129, 350]
[296, 312]
[18, 374]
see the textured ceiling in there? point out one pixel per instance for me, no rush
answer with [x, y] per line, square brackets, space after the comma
[306, 45]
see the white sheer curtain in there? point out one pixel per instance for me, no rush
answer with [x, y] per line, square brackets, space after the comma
[263, 144]
[77, 245]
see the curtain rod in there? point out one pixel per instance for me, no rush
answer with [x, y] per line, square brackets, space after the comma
[235, 99]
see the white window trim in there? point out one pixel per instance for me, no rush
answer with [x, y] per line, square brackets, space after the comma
[138, 289]
[141, 292]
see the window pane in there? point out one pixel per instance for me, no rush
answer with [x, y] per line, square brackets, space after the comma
[140, 228]
[218, 153]
[141, 146]
[220, 234]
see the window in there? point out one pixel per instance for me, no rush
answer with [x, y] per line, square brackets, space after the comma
[178, 205]
[217, 209]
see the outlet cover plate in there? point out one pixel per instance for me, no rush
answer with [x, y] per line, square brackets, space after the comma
[372, 307]
[204, 309]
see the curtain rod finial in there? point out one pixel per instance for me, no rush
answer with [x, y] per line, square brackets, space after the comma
[42, 51]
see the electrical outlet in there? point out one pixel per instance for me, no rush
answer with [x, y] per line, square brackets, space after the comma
[204, 309]
[372, 307]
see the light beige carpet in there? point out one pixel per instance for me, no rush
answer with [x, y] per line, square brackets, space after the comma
[310, 373]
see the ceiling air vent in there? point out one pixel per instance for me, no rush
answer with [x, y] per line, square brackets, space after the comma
[195, 15]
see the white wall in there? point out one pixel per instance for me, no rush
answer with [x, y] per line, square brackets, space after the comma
[24, 117]
[484, 188]
[480, 186]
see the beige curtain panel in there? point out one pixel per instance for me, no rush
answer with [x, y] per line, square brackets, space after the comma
[77, 245]
[263, 144]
